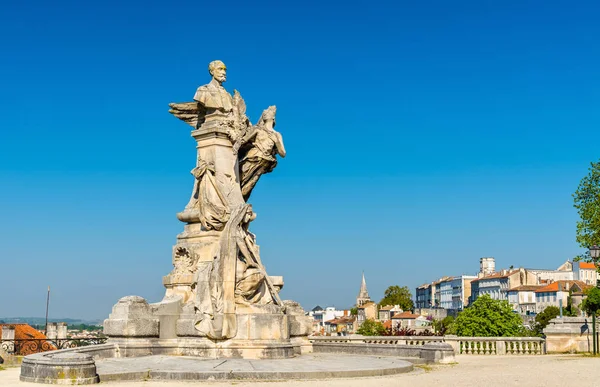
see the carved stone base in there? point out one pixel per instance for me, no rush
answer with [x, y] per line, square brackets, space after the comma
[169, 328]
[206, 348]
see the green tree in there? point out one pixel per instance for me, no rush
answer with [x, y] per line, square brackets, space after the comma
[543, 318]
[371, 328]
[587, 202]
[488, 318]
[354, 311]
[396, 295]
[442, 326]
[591, 304]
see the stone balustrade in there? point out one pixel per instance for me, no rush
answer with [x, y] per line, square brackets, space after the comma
[461, 345]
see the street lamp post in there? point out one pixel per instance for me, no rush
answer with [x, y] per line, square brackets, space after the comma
[595, 254]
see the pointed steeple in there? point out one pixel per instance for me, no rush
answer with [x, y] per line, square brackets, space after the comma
[363, 294]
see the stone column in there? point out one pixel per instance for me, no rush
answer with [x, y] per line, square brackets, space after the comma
[196, 245]
[61, 330]
[8, 338]
[51, 331]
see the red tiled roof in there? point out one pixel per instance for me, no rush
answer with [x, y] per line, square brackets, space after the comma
[565, 285]
[341, 320]
[387, 324]
[587, 265]
[26, 332]
[405, 315]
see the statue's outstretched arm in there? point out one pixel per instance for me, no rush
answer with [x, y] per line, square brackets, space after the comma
[279, 144]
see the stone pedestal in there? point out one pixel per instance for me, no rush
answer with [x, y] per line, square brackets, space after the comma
[131, 317]
[62, 368]
[569, 335]
[168, 328]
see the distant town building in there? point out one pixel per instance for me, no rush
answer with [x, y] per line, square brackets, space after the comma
[557, 292]
[522, 298]
[455, 292]
[424, 296]
[341, 325]
[585, 272]
[522, 288]
[498, 284]
[434, 313]
[487, 266]
[407, 320]
[388, 311]
[367, 311]
[563, 273]
[321, 316]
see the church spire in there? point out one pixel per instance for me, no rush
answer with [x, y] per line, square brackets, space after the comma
[363, 294]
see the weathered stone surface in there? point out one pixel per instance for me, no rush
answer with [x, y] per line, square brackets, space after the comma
[317, 366]
[300, 323]
[437, 353]
[131, 317]
[569, 334]
[59, 368]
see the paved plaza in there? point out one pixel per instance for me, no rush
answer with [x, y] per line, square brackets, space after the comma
[469, 371]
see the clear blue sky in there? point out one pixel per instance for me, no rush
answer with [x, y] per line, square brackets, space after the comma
[421, 136]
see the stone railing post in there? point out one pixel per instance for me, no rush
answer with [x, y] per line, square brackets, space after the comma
[51, 331]
[61, 330]
[454, 342]
[500, 347]
[8, 339]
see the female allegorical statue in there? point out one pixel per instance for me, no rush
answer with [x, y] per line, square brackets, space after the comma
[258, 151]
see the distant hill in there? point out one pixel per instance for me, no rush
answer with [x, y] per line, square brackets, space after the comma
[42, 320]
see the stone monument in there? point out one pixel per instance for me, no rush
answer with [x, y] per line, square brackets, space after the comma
[219, 301]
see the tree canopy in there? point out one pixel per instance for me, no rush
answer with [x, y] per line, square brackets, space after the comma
[442, 326]
[488, 318]
[591, 304]
[396, 295]
[543, 318]
[371, 328]
[587, 202]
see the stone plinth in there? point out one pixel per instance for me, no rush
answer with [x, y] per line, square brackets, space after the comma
[59, 368]
[131, 317]
[569, 334]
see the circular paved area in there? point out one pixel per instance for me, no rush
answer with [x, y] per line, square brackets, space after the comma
[470, 371]
[311, 366]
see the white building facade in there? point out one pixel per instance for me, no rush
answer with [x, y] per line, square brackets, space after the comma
[455, 292]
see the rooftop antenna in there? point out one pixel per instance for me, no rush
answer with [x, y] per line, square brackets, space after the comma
[47, 304]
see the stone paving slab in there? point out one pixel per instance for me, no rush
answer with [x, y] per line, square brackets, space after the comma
[312, 366]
